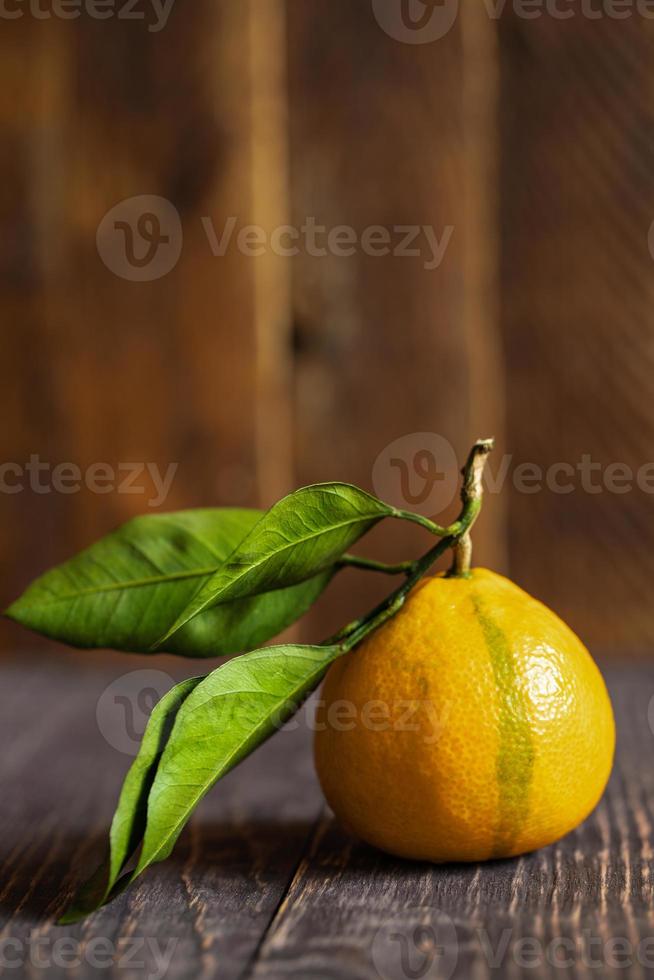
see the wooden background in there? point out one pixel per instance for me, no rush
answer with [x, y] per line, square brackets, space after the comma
[534, 139]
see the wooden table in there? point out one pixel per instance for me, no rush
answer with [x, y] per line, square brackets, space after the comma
[265, 884]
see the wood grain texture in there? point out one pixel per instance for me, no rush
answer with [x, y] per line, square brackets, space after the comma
[261, 886]
[390, 135]
[271, 208]
[31, 108]
[577, 310]
[530, 137]
[99, 369]
[214, 898]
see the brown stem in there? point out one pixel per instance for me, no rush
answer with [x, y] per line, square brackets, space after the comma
[472, 492]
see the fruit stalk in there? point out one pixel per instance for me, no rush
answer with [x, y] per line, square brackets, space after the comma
[472, 492]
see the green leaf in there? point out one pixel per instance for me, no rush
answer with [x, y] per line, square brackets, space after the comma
[125, 591]
[229, 714]
[129, 821]
[297, 538]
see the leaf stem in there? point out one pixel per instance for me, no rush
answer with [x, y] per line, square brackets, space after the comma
[458, 539]
[391, 605]
[354, 561]
[408, 515]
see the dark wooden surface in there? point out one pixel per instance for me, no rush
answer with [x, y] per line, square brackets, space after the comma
[265, 884]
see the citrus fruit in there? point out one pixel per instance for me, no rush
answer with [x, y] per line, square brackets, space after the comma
[472, 725]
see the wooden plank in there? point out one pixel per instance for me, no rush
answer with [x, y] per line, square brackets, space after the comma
[212, 900]
[186, 371]
[195, 409]
[353, 912]
[258, 888]
[577, 292]
[388, 134]
[481, 328]
[271, 271]
[31, 113]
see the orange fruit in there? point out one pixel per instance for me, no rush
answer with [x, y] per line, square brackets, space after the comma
[472, 725]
